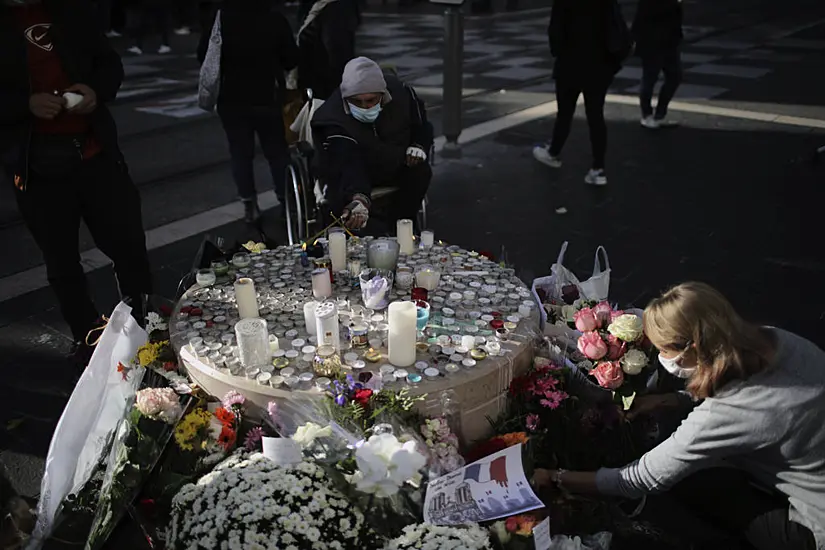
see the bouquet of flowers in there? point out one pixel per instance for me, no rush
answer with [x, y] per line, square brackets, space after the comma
[424, 535]
[515, 532]
[614, 344]
[249, 503]
[139, 442]
[442, 444]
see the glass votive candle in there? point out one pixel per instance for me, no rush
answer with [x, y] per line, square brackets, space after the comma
[427, 276]
[220, 267]
[205, 277]
[451, 368]
[404, 278]
[240, 259]
[525, 309]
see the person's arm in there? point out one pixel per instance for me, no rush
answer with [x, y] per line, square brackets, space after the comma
[287, 48]
[421, 131]
[338, 36]
[345, 166]
[107, 71]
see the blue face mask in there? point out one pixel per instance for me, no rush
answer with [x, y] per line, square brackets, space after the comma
[365, 115]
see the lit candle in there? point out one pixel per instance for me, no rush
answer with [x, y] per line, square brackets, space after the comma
[309, 317]
[338, 250]
[427, 239]
[246, 298]
[402, 317]
[404, 232]
[321, 284]
[427, 277]
[273, 343]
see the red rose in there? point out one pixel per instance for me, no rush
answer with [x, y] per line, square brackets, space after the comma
[170, 366]
[362, 397]
[166, 310]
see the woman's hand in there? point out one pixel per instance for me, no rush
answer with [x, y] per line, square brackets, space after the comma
[543, 478]
[647, 404]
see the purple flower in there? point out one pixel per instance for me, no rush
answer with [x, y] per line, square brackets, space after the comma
[340, 400]
[253, 438]
[532, 422]
[233, 398]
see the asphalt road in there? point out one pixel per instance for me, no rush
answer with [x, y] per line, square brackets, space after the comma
[731, 197]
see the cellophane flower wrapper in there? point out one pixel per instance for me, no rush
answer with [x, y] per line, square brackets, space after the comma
[138, 444]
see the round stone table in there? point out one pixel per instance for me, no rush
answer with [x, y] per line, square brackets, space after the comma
[490, 296]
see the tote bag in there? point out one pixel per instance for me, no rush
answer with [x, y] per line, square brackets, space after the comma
[209, 83]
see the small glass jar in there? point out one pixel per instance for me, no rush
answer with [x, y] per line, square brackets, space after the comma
[327, 362]
[205, 277]
[240, 259]
[220, 267]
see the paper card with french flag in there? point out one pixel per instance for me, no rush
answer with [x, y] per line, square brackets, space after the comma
[488, 489]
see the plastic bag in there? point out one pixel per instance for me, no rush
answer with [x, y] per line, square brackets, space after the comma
[97, 404]
[599, 541]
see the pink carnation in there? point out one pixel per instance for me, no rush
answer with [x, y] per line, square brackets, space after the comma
[253, 438]
[532, 422]
[233, 398]
[592, 346]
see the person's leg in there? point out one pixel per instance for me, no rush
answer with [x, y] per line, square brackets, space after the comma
[728, 499]
[144, 25]
[269, 125]
[238, 123]
[412, 183]
[594, 97]
[567, 94]
[50, 207]
[111, 210]
[672, 68]
[651, 67]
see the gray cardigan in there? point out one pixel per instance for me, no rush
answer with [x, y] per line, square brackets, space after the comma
[771, 425]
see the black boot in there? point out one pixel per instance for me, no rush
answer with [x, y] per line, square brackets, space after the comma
[251, 212]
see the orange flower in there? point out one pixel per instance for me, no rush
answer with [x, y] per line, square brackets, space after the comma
[514, 438]
[227, 438]
[521, 525]
[227, 418]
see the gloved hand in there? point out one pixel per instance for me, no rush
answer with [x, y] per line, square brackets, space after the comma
[357, 213]
[415, 155]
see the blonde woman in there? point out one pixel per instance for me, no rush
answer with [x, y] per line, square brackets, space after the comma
[752, 454]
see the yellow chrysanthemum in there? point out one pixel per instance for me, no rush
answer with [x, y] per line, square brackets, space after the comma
[147, 354]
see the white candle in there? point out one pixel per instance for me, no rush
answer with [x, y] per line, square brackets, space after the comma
[321, 284]
[402, 333]
[327, 327]
[468, 341]
[273, 343]
[404, 232]
[309, 317]
[338, 251]
[428, 278]
[355, 267]
[427, 239]
[246, 298]
[253, 342]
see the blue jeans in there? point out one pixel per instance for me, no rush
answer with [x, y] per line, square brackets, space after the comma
[241, 124]
[668, 62]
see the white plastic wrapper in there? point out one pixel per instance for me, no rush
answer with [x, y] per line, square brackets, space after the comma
[100, 399]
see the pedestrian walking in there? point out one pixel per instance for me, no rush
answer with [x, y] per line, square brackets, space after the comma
[589, 45]
[154, 15]
[326, 43]
[657, 30]
[257, 47]
[58, 143]
[111, 17]
[184, 16]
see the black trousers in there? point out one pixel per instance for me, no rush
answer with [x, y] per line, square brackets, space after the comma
[668, 62]
[567, 94]
[101, 193]
[241, 124]
[727, 499]
[154, 14]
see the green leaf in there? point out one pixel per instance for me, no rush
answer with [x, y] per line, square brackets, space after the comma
[627, 401]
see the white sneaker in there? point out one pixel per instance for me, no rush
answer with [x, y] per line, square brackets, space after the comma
[135, 50]
[183, 31]
[113, 34]
[164, 49]
[650, 122]
[542, 154]
[595, 177]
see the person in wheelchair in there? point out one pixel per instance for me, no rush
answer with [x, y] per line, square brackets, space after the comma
[372, 132]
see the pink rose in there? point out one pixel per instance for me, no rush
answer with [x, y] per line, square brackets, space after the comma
[592, 345]
[615, 348]
[603, 312]
[585, 320]
[609, 374]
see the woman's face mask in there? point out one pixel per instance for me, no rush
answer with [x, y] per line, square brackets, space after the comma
[369, 115]
[674, 367]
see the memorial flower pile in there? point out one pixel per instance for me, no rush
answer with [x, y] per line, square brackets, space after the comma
[385, 464]
[249, 503]
[442, 444]
[426, 536]
[351, 402]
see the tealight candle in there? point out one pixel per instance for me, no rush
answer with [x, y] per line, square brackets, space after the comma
[469, 363]
[421, 365]
[432, 373]
[451, 368]
[359, 365]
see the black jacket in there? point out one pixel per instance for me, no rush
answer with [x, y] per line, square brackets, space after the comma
[354, 156]
[578, 35]
[87, 59]
[657, 26]
[326, 45]
[258, 47]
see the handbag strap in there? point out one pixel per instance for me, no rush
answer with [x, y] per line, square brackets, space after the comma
[597, 265]
[560, 259]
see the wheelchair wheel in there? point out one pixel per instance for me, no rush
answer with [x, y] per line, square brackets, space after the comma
[422, 215]
[294, 205]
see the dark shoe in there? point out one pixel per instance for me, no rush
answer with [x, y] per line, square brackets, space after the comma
[251, 212]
